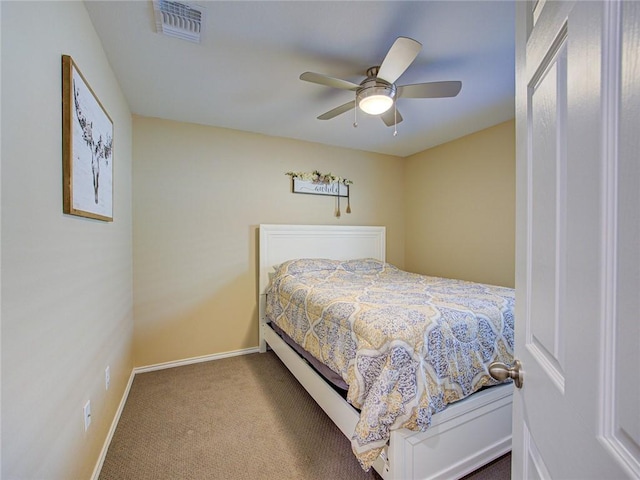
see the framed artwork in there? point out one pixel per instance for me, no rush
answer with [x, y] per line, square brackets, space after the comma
[87, 148]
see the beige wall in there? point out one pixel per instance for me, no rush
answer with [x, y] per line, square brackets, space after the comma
[460, 208]
[199, 195]
[66, 281]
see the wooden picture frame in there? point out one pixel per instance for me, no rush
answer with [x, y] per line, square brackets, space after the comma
[87, 148]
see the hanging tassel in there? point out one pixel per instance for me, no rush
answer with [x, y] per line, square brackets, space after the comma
[348, 200]
[338, 210]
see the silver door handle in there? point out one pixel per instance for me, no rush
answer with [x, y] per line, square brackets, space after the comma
[501, 372]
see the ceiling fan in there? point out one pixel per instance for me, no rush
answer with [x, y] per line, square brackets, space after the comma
[377, 93]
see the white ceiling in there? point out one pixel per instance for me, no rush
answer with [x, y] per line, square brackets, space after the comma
[244, 73]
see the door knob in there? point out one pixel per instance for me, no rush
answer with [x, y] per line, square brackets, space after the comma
[501, 372]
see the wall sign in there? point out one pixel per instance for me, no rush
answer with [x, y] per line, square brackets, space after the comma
[316, 183]
[334, 189]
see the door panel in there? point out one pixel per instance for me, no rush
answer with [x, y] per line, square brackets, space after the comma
[621, 375]
[547, 104]
[577, 240]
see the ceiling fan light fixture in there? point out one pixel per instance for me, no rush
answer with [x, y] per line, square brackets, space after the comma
[375, 100]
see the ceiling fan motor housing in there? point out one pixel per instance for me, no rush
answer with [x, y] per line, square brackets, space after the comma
[376, 91]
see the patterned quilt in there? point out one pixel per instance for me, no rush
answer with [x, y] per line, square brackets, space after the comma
[406, 344]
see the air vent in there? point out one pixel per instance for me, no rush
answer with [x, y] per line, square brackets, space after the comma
[176, 19]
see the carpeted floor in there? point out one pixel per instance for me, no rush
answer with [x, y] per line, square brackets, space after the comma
[238, 418]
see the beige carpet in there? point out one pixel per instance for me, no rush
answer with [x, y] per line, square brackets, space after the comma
[238, 418]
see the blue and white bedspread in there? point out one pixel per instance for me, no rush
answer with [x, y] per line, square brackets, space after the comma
[406, 344]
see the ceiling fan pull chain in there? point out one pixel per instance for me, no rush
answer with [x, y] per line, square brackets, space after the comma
[395, 120]
[355, 117]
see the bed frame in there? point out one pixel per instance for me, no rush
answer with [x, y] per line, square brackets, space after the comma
[468, 434]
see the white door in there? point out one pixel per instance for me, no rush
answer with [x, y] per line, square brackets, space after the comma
[578, 240]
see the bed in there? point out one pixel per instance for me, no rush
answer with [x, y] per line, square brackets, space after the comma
[465, 435]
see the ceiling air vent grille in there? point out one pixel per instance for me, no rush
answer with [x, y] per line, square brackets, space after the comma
[179, 20]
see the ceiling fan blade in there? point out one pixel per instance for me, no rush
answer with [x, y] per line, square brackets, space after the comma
[338, 110]
[403, 51]
[390, 118]
[328, 81]
[430, 90]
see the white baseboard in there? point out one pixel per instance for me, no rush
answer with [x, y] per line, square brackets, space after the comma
[151, 368]
[112, 429]
[189, 361]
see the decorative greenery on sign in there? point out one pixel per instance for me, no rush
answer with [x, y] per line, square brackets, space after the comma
[317, 177]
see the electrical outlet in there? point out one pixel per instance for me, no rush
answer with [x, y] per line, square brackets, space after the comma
[87, 414]
[107, 377]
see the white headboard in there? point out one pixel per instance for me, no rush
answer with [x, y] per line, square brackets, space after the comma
[279, 243]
